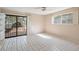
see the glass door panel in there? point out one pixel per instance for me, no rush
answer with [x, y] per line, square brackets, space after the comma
[10, 26]
[21, 25]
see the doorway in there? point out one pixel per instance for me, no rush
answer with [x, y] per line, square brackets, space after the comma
[15, 26]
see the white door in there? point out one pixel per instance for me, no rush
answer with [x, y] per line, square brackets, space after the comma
[2, 26]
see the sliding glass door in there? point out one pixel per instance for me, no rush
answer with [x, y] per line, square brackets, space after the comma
[15, 26]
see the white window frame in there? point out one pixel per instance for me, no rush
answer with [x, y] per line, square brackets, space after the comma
[61, 21]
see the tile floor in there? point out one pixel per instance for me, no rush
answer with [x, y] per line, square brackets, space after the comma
[48, 43]
[38, 43]
[15, 44]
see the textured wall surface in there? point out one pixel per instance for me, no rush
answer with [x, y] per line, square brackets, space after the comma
[69, 31]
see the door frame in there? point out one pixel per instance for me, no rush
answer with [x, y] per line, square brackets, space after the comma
[16, 25]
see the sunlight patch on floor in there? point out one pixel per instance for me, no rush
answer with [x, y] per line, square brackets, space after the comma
[44, 36]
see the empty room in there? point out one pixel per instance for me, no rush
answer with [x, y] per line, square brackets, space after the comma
[39, 28]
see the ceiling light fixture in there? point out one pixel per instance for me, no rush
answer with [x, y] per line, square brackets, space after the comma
[43, 8]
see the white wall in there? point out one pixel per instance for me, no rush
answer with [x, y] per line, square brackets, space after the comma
[67, 31]
[36, 24]
[2, 28]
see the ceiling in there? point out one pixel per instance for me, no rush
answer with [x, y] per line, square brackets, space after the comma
[37, 10]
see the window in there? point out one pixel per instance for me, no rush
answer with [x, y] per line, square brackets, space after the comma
[57, 20]
[67, 19]
[63, 19]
